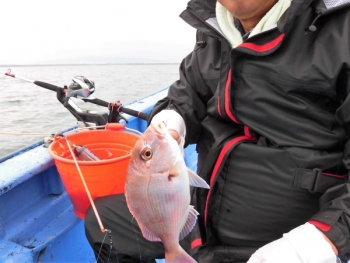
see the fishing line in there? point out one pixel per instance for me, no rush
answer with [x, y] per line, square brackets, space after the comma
[137, 239]
[26, 134]
[8, 73]
[99, 252]
[103, 230]
[75, 111]
[101, 126]
[83, 128]
[110, 246]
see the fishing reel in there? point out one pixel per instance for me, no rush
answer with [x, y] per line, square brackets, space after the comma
[81, 87]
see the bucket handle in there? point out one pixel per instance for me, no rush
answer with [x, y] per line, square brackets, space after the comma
[120, 127]
[115, 126]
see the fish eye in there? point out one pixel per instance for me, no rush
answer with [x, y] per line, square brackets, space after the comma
[146, 154]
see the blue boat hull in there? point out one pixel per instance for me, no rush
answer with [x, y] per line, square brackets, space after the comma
[37, 222]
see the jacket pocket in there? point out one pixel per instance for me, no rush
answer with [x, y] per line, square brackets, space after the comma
[315, 180]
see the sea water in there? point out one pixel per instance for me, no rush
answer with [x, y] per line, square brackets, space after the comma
[33, 110]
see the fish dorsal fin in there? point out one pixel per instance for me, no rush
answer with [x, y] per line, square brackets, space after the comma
[148, 234]
[195, 180]
[190, 223]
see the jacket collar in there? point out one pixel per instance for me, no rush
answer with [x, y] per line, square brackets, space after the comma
[329, 6]
[205, 9]
[200, 11]
[296, 8]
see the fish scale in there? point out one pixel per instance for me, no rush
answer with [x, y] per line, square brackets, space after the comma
[157, 191]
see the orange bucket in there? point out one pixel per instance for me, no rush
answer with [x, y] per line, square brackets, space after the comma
[103, 177]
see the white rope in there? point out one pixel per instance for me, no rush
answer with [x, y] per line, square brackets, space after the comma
[26, 134]
[83, 128]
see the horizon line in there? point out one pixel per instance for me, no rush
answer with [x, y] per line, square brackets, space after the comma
[86, 64]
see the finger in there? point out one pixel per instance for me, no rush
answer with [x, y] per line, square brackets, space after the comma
[175, 135]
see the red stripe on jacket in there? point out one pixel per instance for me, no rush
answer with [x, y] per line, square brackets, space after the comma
[220, 160]
[324, 227]
[195, 243]
[227, 97]
[265, 47]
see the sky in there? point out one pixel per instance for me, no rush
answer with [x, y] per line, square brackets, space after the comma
[99, 31]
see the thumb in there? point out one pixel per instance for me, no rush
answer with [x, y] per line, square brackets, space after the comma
[175, 135]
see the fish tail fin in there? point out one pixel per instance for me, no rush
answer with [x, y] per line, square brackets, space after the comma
[178, 256]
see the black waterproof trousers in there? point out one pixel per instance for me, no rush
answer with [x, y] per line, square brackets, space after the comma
[128, 244]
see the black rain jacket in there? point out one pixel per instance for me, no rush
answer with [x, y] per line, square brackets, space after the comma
[271, 120]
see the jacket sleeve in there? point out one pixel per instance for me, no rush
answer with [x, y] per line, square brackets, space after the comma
[188, 95]
[334, 217]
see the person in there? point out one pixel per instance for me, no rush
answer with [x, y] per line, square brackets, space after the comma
[264, 96]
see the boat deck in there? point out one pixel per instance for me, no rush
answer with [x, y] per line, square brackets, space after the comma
[37, 222]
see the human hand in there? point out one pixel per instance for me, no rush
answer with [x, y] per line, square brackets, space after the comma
[174, 123]
[335, 250]
[175, 135]
[304, 244]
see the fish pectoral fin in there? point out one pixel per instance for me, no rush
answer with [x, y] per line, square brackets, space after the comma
[190, 222]
[195, 180]
[148, 234]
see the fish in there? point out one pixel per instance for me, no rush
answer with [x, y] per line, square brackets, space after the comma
[157, 191]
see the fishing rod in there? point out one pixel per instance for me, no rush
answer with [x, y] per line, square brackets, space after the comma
[82, 88]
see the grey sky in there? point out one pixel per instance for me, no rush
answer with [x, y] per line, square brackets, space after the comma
[86, 31]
